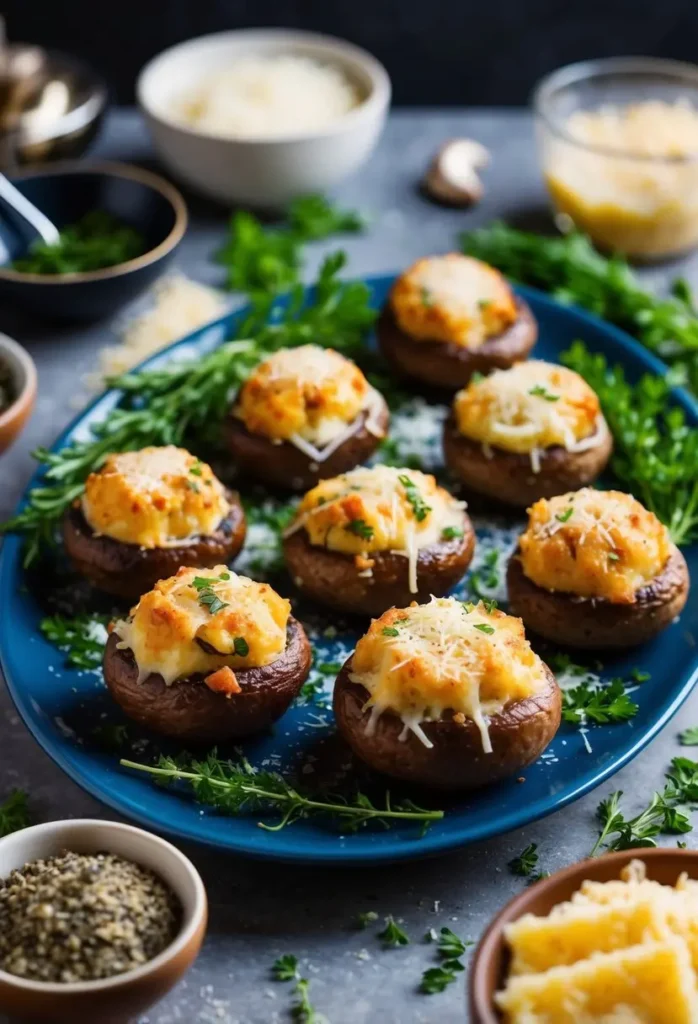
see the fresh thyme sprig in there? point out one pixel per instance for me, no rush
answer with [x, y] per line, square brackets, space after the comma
[574, 272]
[186, 401]
[236, 788]
[655, 452]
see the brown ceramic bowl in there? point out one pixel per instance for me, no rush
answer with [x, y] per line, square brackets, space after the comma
[23, 375]
[489, 965]
[124, 997]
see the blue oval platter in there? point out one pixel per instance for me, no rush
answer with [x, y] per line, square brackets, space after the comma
[71, 715]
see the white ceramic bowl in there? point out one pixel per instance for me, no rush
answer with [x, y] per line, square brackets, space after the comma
[123, 997]
[265, 172]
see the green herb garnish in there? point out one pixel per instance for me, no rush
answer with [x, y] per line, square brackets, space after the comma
[420, 509]
[563, 517]
[236, 787]
[487, 576]
[655, 452]
[241, 646]
[525, 862]
[601, 705]
[360, 528]
[390, 631]
[14, 812]
[285, 967]
[451, 533]
[541, 392]
[451, 945]
[484, 628]
[426, 298]
[76, 637]
[96, 241]
[393, 935]
[689, 737]
[364, 919]
[437, 979]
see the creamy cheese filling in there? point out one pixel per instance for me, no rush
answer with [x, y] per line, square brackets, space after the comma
[453, 298]
[421, 661]
[311, 397]
[155, 497]
[594, 544]
[202, 620]
[380, 509]
[530, 407]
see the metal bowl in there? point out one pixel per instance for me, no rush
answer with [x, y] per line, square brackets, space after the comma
[51, 106]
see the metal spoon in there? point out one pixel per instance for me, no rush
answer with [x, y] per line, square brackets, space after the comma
[43, 227]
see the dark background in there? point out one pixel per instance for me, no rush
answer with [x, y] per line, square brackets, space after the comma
[448, 52]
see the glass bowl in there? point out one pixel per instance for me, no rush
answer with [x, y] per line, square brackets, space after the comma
[629, 200]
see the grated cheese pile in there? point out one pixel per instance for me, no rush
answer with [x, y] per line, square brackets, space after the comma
[371, 509]
[452, 298]
[180, 306]
[267, 96]
[168, 625]
[309, 396]
[624, 951]
[593, 544]
[155, 497]
[420, 661]
[530, 407]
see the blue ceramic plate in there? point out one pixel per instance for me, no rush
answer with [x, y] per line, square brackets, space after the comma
[62, 706]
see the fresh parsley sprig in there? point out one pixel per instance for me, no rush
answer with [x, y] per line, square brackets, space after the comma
[601, 705]
[655, 452]
[450, 948]
[14, 812]
[392, 935]
[420, 509]
[79, 637]
[525, 862]
[237, 788]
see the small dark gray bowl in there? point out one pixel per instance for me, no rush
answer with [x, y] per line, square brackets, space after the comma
[67, 191]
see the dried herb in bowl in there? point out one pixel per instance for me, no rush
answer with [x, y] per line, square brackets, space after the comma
[82, 917]
[96, 241]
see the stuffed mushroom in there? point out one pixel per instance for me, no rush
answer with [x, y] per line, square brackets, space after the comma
[596, 569]
[451, 316]
[207, 656]
[304, 414]
[525, 433]
[377, 537]
[146, 513]
[448, 695]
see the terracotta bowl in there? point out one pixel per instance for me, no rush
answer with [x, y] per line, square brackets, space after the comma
[23, 371]
[124, 997]
[490, 963]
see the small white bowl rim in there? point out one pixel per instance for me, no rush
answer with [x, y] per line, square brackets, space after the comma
[601, 67]
[184, 936]
[27, 381]
[377, 98]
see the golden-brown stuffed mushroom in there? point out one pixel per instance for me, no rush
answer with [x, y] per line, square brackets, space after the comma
[596, 569]
[451, 316]
[377, 537]
[146, 513]
[304, 414]
[207, 656]
[529, 432]
[446, 694]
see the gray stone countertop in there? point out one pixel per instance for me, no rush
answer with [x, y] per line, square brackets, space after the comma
[259, 911]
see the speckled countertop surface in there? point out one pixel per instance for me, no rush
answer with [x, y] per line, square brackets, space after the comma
[260, 911]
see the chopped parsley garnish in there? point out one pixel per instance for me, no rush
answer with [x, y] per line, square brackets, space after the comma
[489, 604]
[484, 628]
[613, 556]
[96, 241]
[638, 676]
[393, 935]
[365, 918]
[476, 377]
[390, 631]
[562, 517]
[524, 864]
[689, 737]
[451, 945]
[487, 575]
[207, 596]
[204, 582]
[360, 528]
[451, 533]
[329, 668]
[241, 646]
[195, 470]
[601, 705]
[420, 508]
[541, 392]
[426, 298]
[484, 303]
[192, 486]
